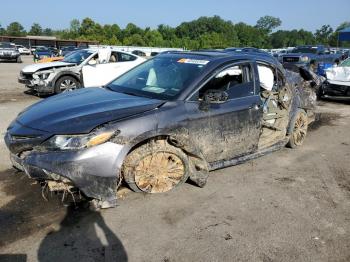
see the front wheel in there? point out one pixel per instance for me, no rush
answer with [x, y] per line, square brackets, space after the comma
[66, 84]
[299, 129]
[155, 167]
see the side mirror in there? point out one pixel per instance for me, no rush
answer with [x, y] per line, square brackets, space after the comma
[215, 96]
[92, 62]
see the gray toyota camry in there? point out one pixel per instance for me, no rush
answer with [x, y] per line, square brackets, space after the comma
[175, 117]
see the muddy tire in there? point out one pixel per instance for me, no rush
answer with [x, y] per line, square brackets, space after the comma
[155, 167]
[299, 129]
[65, 84]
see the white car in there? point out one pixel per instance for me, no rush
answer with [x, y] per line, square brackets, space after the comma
[23, 50]
[82, 68]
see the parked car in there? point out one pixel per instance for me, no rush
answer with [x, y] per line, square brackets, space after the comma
[41, 53]
[34, 47]
[9, 52]
[310, 56]
[176, 116]
[139, 53]
[67, 49]
[338, 81]
[54, 50]
[83, 68]
[23, 50]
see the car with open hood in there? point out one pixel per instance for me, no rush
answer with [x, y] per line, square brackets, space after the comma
[81, 68]
[174, 117]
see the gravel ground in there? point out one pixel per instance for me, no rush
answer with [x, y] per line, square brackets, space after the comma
[291, 205]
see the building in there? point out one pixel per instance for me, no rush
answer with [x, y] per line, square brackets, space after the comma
[49, 41]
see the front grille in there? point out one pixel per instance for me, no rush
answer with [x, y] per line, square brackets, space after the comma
[27, 76]
[291, 59]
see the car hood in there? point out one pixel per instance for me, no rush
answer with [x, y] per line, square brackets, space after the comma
[82, 110]
[8, 49]
[35, 67]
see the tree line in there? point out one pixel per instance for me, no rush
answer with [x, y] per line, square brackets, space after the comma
[204, 32]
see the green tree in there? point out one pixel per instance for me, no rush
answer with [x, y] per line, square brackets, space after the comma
[2, 30]
[268, 23]
[15, 29]
[130, 30]
[48, 32]
[35, 29]
[74, 28]
[324, 34]
[251, 36]
[153, 38]
[134, 40]
[87, 27]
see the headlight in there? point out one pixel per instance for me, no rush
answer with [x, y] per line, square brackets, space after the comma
[66, 142]
[43, 75]
[304, 59]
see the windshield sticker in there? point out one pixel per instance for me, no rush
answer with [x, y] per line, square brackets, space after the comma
[193, 61]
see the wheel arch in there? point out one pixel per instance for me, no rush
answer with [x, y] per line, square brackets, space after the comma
[63, 74]
[199, 167]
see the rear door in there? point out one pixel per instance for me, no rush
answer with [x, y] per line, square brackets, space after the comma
[230, 129]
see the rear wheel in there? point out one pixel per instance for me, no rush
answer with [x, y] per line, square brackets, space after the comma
[155, 167]
[299, 131]
[66, 84]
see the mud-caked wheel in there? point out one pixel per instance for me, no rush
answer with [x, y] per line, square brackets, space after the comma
[299, 129]
[155, 167]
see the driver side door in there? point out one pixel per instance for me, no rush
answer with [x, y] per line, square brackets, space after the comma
[231, 128]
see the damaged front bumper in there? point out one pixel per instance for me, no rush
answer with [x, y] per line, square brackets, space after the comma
[38, 85]
[94, 171]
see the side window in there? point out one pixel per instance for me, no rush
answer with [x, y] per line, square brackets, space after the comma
[237, 81]
[125, 57]
[113, 58]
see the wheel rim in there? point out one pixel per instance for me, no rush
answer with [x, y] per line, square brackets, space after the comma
[159, 172]
[67, 85]
[300, 129]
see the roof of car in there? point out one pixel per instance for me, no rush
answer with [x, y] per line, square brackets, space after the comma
[224, 55]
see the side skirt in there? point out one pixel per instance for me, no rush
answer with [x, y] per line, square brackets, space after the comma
[241, 159]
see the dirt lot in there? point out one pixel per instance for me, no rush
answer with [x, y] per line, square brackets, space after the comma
[291, 205]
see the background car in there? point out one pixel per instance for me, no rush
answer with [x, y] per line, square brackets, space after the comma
[42, 52]
[82, 68]
[23, 50]
[9, 52]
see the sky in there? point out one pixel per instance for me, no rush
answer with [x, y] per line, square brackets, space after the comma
[57, 14]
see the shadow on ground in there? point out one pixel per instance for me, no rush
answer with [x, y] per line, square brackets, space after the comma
[74, 233]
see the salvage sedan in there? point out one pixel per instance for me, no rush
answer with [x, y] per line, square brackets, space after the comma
[175, 117]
